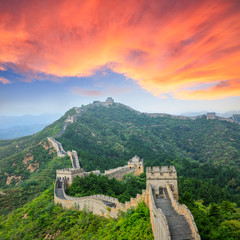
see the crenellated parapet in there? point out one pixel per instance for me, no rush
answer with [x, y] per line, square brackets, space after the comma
[135, 165]
[159, 177]
[68, 174]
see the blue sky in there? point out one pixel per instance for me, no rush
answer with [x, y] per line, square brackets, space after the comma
[57, 96]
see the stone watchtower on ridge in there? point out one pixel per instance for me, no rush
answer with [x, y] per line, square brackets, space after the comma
[136, 163]
[68, 174]
[158, 178]
[211, 115]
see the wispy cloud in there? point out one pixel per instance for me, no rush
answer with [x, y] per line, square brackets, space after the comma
[166, 46]
[2, 68]
[4, 80]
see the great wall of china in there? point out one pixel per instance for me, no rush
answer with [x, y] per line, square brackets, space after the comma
[169, 219]
[109, 101]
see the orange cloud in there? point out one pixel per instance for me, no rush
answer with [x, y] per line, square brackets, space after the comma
[220, 90]
[168, 47]
[4, 80]
[2, 68]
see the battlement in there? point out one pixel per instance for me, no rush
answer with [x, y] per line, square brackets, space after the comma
[160, 177]
[164, 170]
[70, 170]
[110, 171]
[211, 115]
[110, 100]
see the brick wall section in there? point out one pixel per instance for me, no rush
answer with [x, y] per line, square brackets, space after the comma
[183, 210]
[95, 203]
[74, 159]
[58, 147]
[119, 174]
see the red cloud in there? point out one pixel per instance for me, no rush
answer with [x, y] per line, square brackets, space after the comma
[168, 47]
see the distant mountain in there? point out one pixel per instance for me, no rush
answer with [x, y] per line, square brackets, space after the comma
[193, 114]
[27, 120]
[20, 126]
[226, 114]
[20, 131]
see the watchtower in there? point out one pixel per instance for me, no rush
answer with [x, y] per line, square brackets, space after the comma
[211, 115]
[109, 101]
[68, 174]
[137, 163]
[158, 178]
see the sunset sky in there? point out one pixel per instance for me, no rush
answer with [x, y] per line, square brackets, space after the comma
[153, 55]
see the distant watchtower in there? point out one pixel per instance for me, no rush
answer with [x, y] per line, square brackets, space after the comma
[109, 101]
[137, 163]
[160, 177]
[211, 115]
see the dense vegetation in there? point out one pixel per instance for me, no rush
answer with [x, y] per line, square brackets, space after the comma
[206, 197]
[208, 192]
[28, 165]
[93, 184]
[206, 154]
[106, 136]
[41, 219]
[215, 221]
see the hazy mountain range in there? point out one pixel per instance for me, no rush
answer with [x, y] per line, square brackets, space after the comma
[226, 114]
[19, 126]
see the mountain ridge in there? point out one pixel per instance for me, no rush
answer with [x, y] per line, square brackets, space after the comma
[105, 136]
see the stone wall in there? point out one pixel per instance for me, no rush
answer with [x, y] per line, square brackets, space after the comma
[74, 159]
[183, 210]
[69, 174]
[58, 147]
[136, 163]
[158, 178]
[98, 204]
[110, 171]
[158, 220]
[119, 174]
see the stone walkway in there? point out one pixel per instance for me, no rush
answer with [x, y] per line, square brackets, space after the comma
[178, 226]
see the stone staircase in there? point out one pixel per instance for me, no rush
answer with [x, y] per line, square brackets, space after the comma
[178, 226]
[59, 191]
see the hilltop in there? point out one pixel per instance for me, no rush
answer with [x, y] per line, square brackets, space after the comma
[105, 135]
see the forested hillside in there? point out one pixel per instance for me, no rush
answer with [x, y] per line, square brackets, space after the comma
[206, 154]
[107, 136]
[41, 219]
